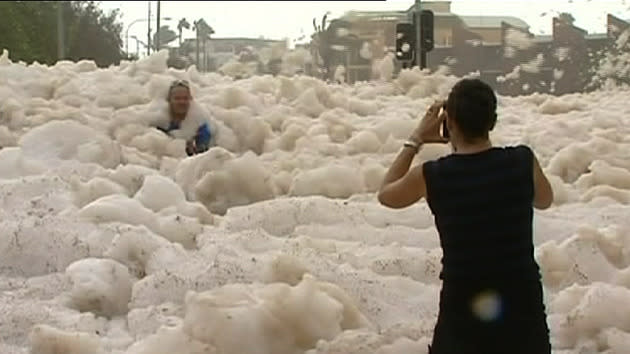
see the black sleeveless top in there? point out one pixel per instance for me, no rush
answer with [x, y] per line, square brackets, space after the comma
[482, 204]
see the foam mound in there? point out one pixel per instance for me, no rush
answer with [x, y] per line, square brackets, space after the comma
[114, 241]
[101, 286]
[270, 316]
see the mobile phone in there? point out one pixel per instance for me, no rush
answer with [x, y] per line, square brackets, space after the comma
[444, 131]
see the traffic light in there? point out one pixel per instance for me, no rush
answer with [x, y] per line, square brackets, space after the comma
[406, 47]
[426, 31]
[405, 41]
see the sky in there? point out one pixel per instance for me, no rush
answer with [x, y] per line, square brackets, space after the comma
[293, 19]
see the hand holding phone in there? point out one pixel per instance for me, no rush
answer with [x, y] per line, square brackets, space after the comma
[428, 129]
[444, 131]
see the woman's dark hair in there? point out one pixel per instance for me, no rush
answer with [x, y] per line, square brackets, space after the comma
[473, 105]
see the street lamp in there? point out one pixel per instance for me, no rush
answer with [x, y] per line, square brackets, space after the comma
[138, 42]
[134, 22]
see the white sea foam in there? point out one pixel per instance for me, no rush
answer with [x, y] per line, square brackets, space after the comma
[112, 241]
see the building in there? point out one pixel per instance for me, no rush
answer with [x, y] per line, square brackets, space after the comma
[374, 25]
[560, 63]
[378, 30]
[219, 51]
[489, 28]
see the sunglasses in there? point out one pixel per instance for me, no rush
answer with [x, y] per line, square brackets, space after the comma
[177, 83]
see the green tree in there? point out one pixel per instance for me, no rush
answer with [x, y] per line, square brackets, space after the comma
[320, 45]
[167, 35]
[180, 27]
[566, 18]
[96, 35]
[203, 31]
[29, 31]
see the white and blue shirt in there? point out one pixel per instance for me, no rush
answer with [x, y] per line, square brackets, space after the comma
[195, 126]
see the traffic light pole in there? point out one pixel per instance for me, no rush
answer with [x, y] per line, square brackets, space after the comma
[423, 58]
[157, 29]
[419, 50]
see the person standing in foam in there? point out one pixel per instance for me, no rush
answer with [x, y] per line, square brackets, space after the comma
[185, 119]
[482, 198]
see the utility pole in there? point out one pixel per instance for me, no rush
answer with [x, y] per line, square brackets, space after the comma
[197, 44]
[419, 49]
[60, 32]
[157, 31]
[149, 31]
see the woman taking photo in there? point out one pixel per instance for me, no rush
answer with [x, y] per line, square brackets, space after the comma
[482, 198]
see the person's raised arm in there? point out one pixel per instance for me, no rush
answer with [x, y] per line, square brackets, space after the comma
[401, 186]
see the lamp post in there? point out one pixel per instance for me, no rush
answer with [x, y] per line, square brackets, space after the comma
[134, 22]
[138, 42]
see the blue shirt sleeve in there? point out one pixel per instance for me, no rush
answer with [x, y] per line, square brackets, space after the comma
[204, 135]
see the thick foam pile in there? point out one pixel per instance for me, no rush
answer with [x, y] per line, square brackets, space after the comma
[100, 286]
[114, 241]
[69, 140]
[270, 317]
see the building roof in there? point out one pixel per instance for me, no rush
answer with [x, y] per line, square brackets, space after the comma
[493, 21]
[431, 5]
[597, 36]
[469, 21]
[375, 15]
[386, 15]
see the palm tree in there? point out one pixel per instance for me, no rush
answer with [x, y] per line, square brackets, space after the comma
[180, 26]
[203, 31]
[320, 45]
[164, 36]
